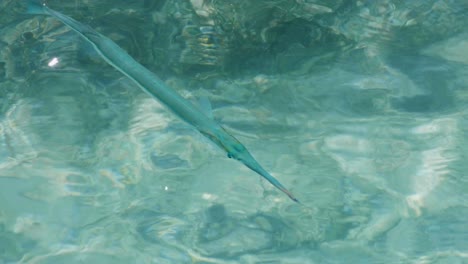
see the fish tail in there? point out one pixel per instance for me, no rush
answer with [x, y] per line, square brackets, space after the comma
[36, 7]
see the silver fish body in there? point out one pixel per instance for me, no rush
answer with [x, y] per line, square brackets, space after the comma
[154, 86]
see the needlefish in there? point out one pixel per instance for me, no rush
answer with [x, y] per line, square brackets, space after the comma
[154, 86]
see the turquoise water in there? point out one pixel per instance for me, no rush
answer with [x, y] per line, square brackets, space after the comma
[358, 107]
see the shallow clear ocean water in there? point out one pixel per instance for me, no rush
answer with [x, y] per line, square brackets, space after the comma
[358, 107]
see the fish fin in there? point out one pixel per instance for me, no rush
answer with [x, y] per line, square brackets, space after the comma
[204, 105]
[35, 7]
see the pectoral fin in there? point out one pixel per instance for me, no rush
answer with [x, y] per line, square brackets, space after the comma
[204, 105]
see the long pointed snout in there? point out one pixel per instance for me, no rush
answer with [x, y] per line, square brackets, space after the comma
[252, 164]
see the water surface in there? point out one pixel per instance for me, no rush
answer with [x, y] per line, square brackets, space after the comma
[359, 108]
